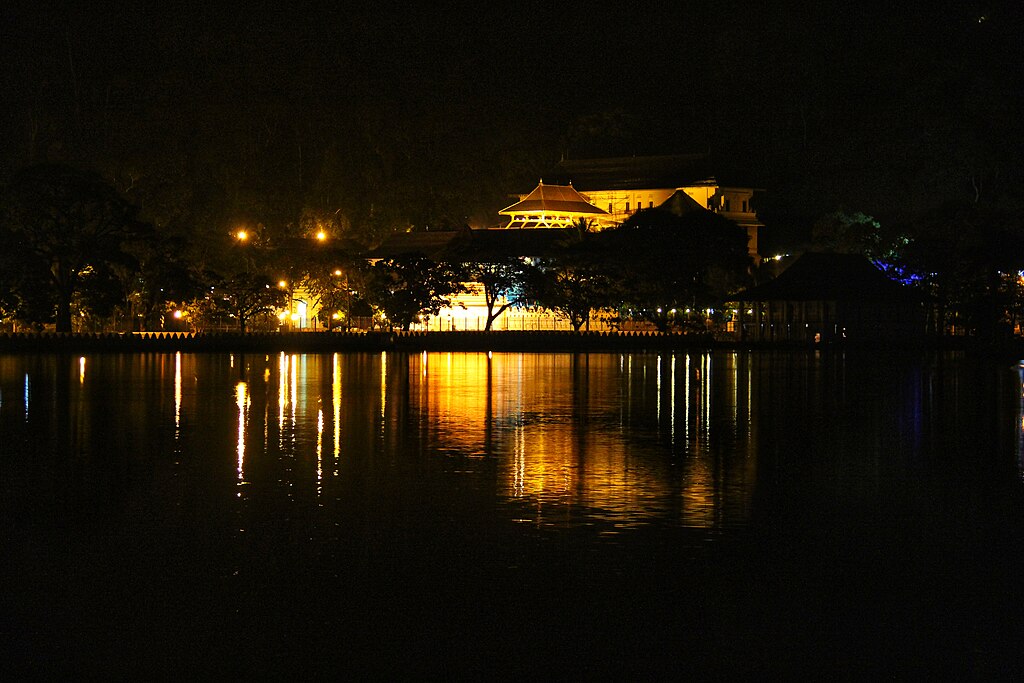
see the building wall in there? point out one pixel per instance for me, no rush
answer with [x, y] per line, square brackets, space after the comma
[621, 204]
[469, 312]
[808, 321]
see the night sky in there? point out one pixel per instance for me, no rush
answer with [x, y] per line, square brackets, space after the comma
[835, 104]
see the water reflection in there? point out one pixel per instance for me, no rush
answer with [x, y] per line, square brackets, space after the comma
[286, 504]
[617, 440]
[177, 395]
[242, 401]
[1020, 435]
[591, 434]
[565, 438]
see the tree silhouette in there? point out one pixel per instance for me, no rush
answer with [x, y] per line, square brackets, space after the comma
[578, 277]
[404, 288]
[664, 262]
[63, 223]
[508, 279]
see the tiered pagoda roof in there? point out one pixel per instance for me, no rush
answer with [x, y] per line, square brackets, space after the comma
[551, 206]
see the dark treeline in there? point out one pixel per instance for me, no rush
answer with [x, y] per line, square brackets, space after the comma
[369, 120]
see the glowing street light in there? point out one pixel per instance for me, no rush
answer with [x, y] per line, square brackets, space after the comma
[321, 235]
[242, 235]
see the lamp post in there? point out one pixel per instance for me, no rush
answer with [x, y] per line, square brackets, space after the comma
[242, 239]
[285, 286]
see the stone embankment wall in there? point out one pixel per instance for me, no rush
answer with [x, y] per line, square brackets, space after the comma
[516, 341]
[327, 342]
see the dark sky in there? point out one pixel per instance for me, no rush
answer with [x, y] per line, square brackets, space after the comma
[777, 92]
[542, 54]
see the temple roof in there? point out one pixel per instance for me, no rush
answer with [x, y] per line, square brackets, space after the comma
[499, 243]
[681, 203]
[554, 199]
[470, 245]
[823, 276]
[430, 244]
[634, 173]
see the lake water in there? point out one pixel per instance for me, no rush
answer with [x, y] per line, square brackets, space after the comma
[466, 515]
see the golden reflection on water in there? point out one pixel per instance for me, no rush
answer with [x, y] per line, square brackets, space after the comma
[293, 395]
[383, 383]
[336, 403]
[571, 427]
[177, 395]
[242, 400]
[319, 451]
[282, 389]
[626, 438]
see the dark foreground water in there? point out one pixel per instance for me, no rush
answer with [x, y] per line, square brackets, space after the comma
[520, 515]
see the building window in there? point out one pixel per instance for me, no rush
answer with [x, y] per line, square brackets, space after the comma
[609, 207]
[650, 205]
[744, 206]
[627, 207]
[728, 205]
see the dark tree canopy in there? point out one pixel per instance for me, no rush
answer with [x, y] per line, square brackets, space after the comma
[578, 277]
[665, 264]
[508, 279]
[967, 259]
[68, 228]
[404, 288]
[246, 296]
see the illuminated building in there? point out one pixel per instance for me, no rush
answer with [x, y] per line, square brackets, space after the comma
[622, 186]
[600, 192]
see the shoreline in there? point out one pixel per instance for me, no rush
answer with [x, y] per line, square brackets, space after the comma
[457, 341]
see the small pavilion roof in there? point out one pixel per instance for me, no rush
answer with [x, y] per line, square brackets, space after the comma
[554, 199]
